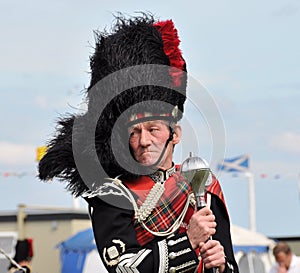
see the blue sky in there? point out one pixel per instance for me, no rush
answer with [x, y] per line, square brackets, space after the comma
[244, 54]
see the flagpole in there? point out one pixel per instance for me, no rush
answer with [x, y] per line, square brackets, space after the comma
[241, 164]
[299, 185]
[252, 208]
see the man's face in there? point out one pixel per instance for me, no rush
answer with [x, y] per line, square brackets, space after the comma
[148, 139]
[284, 260]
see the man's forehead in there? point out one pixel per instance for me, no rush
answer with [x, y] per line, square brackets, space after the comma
[149, 123]
[281, 256]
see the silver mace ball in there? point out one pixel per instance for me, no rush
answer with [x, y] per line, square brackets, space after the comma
[196, 172]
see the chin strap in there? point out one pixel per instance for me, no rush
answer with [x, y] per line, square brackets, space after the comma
[171, 135]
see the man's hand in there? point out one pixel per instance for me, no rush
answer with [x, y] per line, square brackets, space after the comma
[24, 270]
[282, 269]
[212, 254]
[202, 225]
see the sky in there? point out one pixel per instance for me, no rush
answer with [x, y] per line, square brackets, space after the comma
[244, 56]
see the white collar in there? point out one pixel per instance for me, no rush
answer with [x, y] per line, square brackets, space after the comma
[161, 176]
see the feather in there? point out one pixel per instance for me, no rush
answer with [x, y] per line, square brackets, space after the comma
[171, 48]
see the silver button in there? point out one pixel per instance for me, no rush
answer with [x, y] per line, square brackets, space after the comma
[171, 243]
[172, 255]
[172, 270]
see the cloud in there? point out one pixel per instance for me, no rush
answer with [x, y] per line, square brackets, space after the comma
[288, 9]
[63, 101]
[287, 142]
[41, 101]
[288, 86]
[12, 154]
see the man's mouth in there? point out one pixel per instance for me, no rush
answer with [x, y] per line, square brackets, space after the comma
[145, 152]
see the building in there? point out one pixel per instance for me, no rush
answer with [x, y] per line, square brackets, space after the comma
[46, 226]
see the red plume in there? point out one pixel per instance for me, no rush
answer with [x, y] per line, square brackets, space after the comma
[171, 48]
[30, 247]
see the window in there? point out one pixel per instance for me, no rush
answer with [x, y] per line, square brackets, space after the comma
[8, 242]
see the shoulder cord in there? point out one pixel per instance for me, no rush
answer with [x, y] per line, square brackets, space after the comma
[176, 224]
[171, 229]
[119, 183]
[151, 200]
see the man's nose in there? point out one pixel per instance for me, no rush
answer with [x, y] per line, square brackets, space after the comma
[145, 138]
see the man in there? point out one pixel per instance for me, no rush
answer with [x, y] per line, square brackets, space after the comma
[142, 210]
[286, 260]
[23, 256]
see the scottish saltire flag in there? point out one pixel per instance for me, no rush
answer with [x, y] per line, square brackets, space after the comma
[236, 164]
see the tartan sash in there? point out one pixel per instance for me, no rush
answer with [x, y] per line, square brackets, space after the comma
[170, 205]
[168, 208]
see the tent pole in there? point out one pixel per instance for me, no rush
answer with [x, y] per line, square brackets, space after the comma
[252, 208]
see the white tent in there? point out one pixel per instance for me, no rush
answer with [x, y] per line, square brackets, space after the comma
[253, 250]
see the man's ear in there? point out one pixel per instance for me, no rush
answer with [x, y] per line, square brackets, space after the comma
[177, 134]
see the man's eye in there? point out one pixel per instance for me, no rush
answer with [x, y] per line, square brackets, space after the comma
[153, 129]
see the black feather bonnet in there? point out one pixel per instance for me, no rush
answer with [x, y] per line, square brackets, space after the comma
[137, 73]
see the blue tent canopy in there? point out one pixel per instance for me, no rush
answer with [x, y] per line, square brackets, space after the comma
[83, 241]
[249, 248]
[73, 252]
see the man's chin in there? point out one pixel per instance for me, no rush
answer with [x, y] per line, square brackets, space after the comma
[148, 163]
